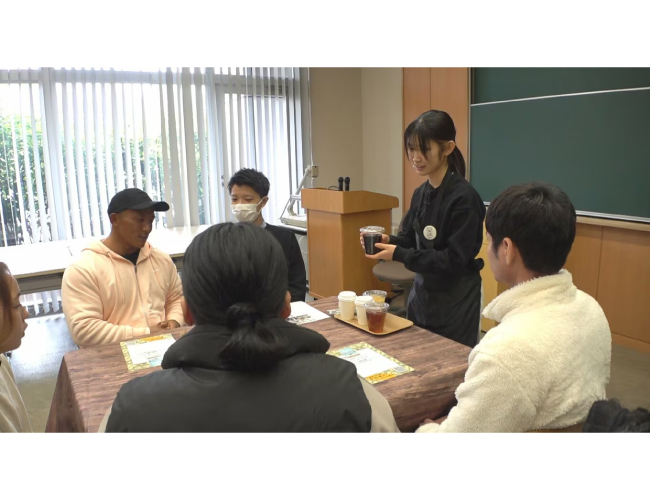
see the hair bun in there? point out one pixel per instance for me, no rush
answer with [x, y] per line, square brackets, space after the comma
[239, 313]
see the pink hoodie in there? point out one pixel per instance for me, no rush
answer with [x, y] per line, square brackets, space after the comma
[108, 299]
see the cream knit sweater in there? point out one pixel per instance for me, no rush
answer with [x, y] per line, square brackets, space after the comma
[542, 367]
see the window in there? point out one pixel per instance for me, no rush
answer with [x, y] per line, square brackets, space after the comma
[70, 138]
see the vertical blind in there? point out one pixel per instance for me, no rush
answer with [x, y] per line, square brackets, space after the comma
[73, 137]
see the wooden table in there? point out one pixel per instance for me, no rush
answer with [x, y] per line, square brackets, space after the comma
[439, 363]
[90, 378]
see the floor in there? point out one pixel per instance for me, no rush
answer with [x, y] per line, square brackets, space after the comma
[36, 365]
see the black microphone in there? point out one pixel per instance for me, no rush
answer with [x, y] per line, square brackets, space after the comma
[340, 183]
[347, 183]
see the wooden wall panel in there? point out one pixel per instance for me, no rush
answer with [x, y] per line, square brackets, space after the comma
[450, 93]
[435, 88]
[416, 100]
[631, 343]
[584, 260]
[624, 282]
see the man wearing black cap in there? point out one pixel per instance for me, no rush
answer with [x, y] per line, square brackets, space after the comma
[122, 288]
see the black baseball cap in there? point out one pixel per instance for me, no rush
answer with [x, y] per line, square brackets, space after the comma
[134, 199]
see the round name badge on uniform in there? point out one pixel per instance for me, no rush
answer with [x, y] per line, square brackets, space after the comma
[430, 233]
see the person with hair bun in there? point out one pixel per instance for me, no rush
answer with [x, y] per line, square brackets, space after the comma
[243, 368]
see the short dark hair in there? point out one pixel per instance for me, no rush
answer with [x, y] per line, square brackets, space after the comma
[236, 275]
[253, 178]
[540, 220]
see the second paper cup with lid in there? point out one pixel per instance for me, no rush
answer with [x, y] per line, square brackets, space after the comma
[361, 310]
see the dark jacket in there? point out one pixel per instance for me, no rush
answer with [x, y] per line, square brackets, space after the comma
[610, 416]
[446, 294]
[308, 391]
[459, 227]
[295, 262]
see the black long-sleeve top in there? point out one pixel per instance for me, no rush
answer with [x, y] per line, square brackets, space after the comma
[459, 230]
[295, 262]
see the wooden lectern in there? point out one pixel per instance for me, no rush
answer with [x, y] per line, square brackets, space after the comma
[336, 260]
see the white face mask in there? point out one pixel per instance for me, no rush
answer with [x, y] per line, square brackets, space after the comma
[246, 212]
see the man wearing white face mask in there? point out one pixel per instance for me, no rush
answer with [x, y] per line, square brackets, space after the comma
[249, 193]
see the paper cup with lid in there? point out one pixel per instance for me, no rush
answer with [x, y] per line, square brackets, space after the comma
[346, 305]
[361, 310]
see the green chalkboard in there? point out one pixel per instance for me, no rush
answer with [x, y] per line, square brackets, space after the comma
[502, 84]
[596, 147]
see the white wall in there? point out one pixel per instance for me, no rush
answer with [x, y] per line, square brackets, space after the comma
[381, 97]
[336, 125]
[357, 128]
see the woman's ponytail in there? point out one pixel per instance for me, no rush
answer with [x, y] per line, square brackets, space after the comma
[252, 346]
[236, 276]
[457, 162]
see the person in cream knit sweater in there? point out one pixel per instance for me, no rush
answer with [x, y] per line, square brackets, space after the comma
[548, 360]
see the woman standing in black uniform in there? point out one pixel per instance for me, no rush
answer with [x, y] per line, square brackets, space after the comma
[441, 234]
